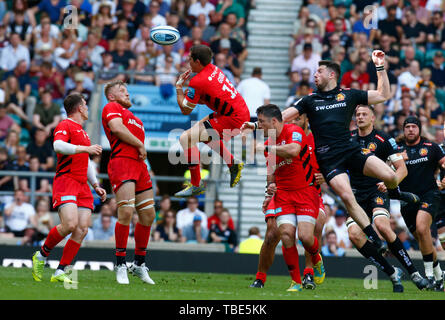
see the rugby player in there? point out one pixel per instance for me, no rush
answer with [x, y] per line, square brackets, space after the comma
[72, 197]
[211, 87]
[296, 199]
[440, 220]
[376, 203]
[422, 159]
[330, 111]
[313, 273]
[129, 179]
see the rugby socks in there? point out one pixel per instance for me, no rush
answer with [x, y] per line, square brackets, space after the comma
[51, 241]
[438, 275]
[372, 236]
[400, 253]
[219, 147]
[308, 271]
[261, 276]
[428, 263]
[69, 252]
[192, 158]
[291, 258]
[370, 252]
[313, 251]
[141, 238]
[121, 237]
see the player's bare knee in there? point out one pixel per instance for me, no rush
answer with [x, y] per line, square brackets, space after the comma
[272, 238]
[422, 230]
[355, 233]
[185, 139]
[348, 199]
[305, 237]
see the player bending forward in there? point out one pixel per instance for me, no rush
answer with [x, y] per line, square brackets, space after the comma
[72, 196]
[314, 272]
[211, 87]
[129, 179]
[296, 198]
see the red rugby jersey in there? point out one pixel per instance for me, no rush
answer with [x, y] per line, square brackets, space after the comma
[295, 173]
[218, 93]
[119, 148]
[75, 165]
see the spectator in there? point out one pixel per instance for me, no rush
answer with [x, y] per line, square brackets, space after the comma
[253, 243]
[106, 210]
[156, 18]
[331, 248]
[255, 92]
[436, 31]
[215, 218]
[6, 123]
[234, 45]
[42, 149]
[139, 44]
[106, 230]
[236, 32]
[11, 144]
[185, 216]
[6, 182]
[132, 11]
[231, 6]
[424, 83]
[201, 7]
[303, 89]
[296, 47]
[54, 29]
[21, 73]
[195, 40]
[222, 64]
[414, 32]
[391, 25]
[54, 9]
[208, 31]
[438, 70]
[42, 184]
[122, 56]
[94, 50]
[13, 53]
[41, 221]
[195, 232]
[167, 230]
[431, 108]
[52, 81]
[143, 67]
[307, 59]
[79, 78]
[15, 98]
[19, 7]
[357, 74]
[338, 224]
[46, 114]
[109, 70]
[421, 13]
[164, 206]
[19, 25]
[18, 215]
[83, 62]
[44, 40]
[21, 164]
[165, 78]
[221, 233]
[234, 65]
[167, 51]
[164, 7]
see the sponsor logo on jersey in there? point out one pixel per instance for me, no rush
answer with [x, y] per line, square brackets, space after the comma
[423, 152]
[133, 122]
[380, 138]
[416, 161]
[393, 143]
[379, 201]
[296, 136]
[60, 131]
[340, 97]
[221, 77]
[191, 93]
[365, 151]
[424, 205]
[372, 146]
[210, 78]
[67, 198]
[332, 106]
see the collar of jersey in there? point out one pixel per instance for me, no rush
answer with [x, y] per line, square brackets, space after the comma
[326, 93]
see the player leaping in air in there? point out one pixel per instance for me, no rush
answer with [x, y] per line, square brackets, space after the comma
[211, 87]
[72, 196]
[330, 111]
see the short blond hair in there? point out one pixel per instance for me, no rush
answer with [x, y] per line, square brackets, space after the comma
[111, 85]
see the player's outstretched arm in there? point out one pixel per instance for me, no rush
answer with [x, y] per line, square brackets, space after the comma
[185, 106]
[383, 91]
[66, 148]
[290, 150]
[290, 114]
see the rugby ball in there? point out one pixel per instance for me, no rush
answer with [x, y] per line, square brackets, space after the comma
[164, 35]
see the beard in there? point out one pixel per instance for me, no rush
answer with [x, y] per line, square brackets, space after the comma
[124, 103]
[412, 140]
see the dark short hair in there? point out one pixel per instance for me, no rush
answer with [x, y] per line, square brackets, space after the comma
[270, 111]
[331, 66]
[257, 71]
[370, 107]
[202, 53]
[72, 101]
[47, 65]
[254, 231]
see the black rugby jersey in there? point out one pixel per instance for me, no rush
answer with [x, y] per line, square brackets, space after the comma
[377, 143]
[329, 115]
[442, 173]
[423, 160]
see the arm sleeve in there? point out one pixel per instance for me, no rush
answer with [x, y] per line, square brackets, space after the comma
[389, 148]
[111, 111]
[300, 105]
[63, 147]
[296, 136]
[91, 173]
[359, 97]
[62, 133]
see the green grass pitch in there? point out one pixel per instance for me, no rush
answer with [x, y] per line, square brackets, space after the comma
[18, 284]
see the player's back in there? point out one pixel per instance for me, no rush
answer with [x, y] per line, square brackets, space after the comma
[292, 173]
[213, 88]
[76, 165]
[119, 148]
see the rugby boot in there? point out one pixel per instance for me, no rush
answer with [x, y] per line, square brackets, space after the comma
[407, 197]
[294, 287]
[420, 282]
[121, 274]
[141, 272]
[308, 282]
[431, 284]
[438, 286]
[397, 280]
[257, 284]
[37, 267]
[319, 271]
[235, 172]
[191, 190]
[62, 277]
